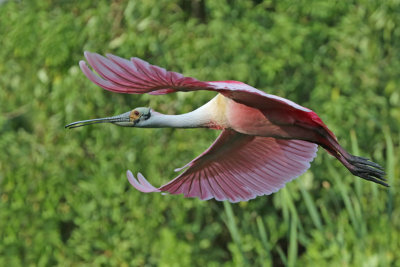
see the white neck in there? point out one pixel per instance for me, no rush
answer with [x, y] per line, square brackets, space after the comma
[198, 118]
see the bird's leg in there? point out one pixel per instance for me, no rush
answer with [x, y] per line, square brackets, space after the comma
[358, 166]
[309, 127]
[316, 132]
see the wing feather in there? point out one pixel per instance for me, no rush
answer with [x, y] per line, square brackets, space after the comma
[239, 167]
[130, 71]
[136, 76]
[242, 184]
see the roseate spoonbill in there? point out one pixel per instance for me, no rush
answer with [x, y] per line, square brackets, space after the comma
[266, 141]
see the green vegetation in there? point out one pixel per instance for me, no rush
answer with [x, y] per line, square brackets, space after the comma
[64, 197]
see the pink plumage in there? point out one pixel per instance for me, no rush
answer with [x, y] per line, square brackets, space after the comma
[266, 140]
[238, 167]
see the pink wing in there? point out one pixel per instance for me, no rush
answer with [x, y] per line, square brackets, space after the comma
[136, 76]
[238, 167]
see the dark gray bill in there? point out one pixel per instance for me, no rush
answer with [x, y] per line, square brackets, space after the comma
[119, 118]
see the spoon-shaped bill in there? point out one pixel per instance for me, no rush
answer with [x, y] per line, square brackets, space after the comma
[114, 119]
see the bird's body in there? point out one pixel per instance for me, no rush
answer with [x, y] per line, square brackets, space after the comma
[252, 121]
[265, 142]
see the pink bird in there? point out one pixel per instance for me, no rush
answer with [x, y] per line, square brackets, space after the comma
[266, 140]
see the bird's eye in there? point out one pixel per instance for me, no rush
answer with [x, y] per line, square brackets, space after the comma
[134, 115]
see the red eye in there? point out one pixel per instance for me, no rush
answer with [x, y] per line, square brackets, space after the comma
[136, 113]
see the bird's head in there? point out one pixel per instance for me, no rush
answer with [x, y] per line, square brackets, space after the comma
[138, 117]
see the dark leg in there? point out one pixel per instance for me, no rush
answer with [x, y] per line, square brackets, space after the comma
[358, 166]
[320, 135]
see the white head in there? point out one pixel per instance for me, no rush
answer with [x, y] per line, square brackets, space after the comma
[138, 117]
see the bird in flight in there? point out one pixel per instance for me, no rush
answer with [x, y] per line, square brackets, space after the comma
[265, 141]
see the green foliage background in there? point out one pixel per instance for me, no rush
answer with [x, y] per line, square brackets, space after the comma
[64, 197]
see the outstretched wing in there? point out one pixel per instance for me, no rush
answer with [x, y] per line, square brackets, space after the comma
[238, 167]
[136, 76]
